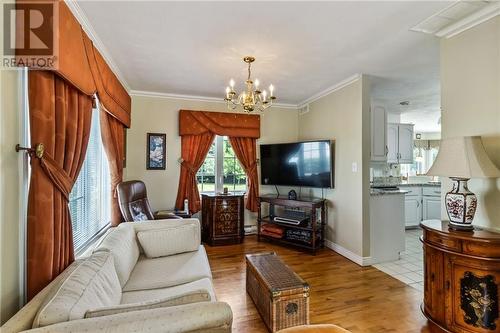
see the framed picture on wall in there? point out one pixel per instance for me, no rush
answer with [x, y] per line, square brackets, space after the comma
[156, 151]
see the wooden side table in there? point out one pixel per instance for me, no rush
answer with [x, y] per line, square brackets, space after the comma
[461, 278]
[222, 219]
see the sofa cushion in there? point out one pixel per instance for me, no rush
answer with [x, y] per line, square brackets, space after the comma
[186, 298]
[169, 271]
[92, 284]
[169, 241]
[122, 243]
[151, 294]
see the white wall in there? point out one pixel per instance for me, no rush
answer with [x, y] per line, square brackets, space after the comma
[343, 116]
[470, 97]
[156, 114]
[9, 193]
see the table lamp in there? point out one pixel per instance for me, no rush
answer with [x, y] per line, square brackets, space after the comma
[460, 159]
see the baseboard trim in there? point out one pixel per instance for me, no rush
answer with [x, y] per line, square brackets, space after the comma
[357, 259]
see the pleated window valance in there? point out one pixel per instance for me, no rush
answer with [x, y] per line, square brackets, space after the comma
[219, 123]
[426, 144]
[81, 64]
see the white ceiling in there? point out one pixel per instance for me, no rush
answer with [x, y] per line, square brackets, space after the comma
[194, 48]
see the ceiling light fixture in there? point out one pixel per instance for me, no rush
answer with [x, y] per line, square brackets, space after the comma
[252, 98]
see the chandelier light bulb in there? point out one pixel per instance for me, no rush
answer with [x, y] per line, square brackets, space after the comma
[251, 98]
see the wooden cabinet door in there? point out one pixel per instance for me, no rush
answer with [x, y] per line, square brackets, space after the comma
[431, 208]
[472, 295]
[392, 143]
[379, 138]
[405, 143]
[413, 211]
[434, 284]
[227, 217]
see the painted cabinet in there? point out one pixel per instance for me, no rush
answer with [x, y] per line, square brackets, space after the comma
[421, 203]
[400, 143]
[379, 138]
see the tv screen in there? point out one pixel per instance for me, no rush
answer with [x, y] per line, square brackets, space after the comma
[308, 164]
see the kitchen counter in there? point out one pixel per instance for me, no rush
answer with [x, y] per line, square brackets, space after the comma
[377, 191]
[432, 184]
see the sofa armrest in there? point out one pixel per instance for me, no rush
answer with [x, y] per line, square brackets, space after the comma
[164, 223]
[196, 317]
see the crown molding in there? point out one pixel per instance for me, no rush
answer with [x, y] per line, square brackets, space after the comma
[482, 15]
[196, 98]
[87, 27]
[329, 90]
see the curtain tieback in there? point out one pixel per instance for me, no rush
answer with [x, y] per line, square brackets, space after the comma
[252, 168]
[189, 167]
[57, 175]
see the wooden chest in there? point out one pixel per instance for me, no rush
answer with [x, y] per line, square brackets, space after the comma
[279, 294]
[222, 219]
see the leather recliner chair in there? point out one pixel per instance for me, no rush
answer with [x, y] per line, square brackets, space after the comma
[134, 203]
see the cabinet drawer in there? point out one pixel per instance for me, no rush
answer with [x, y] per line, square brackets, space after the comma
[448, 243]
[432, 191]
[481, 249]
[412, 190]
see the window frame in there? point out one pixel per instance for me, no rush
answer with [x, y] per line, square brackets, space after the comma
[219, 168]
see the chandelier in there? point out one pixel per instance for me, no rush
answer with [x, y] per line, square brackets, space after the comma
[252, 98]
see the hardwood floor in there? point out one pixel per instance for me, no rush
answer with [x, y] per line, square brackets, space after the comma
[360, 299]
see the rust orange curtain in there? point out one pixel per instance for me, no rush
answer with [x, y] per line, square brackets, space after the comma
[112, 133]
[194, 148]
[60, 118]
[245, 150]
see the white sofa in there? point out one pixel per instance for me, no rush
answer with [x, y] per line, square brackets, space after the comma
[150, 276]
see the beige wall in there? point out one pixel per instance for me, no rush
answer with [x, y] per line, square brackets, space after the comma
[156, 114]
[470, 97]
[9, 193]
[343, 116]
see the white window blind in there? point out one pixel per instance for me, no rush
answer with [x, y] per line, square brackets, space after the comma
[89, 200]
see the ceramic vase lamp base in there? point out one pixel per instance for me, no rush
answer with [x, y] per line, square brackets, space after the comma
[461, 205]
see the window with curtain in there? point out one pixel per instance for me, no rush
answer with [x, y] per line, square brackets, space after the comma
[90, 197]
[221, 169]
[424, 154]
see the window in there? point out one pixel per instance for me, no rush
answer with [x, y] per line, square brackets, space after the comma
[221, 169]
[90, 197]
[423, 160]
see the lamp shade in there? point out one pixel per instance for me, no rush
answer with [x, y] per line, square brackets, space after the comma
[463, 157]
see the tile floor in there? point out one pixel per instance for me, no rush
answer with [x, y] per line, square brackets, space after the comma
[409, 267]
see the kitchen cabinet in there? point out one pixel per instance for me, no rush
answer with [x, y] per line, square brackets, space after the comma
[431, 203]
[431, 208]
[421, 203]
[400, 143]
[413, 205]
[413, 211]
[379, 138]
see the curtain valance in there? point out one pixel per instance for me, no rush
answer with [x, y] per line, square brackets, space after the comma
[80, 63]
[219, 123]
[427, 144]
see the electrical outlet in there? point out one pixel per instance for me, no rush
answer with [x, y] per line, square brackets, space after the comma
[354, 167]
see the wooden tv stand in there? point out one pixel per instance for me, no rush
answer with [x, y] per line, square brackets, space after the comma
[315, 228]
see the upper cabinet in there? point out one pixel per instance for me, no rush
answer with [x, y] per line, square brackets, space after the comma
[400, 143]
[379, 138]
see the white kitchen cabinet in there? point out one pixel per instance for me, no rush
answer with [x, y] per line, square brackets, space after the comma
[400, 143]
[431, 203]
[413, 211]
[431, 208]
[379, 138]
[392, 143]
[413, 205]
[405, 143]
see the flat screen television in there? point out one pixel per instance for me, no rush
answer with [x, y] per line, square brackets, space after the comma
[308, 164]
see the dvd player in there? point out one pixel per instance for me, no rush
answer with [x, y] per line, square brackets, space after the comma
[295, 220]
